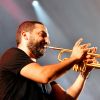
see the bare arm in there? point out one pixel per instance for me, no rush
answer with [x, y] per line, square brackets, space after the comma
[78, 85]
[72, 92]
[45, 74]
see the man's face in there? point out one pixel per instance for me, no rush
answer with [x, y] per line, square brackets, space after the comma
[38, 40]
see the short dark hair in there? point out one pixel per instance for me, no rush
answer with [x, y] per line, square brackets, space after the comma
[25, 26]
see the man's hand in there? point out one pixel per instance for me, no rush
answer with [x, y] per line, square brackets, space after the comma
[89, 59]
[79, 50]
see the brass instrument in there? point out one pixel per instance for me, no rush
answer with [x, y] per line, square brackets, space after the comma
[76, 68]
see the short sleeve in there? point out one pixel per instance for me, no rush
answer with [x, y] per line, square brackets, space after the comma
[14, 60]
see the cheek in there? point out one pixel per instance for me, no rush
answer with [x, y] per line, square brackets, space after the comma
[36, 39]
[31, 41]
[39, 39]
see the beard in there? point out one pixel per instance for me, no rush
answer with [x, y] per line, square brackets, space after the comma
[36, 49]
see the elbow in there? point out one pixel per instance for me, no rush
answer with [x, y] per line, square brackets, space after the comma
[47, 75]
[45, 79]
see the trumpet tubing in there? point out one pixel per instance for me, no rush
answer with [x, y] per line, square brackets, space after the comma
[76, 68]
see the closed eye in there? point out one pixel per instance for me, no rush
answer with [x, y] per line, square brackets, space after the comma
[43, 34]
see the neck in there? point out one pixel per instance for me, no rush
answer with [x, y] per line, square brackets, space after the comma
[27, 51]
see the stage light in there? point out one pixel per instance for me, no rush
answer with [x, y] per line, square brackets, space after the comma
[35, 3]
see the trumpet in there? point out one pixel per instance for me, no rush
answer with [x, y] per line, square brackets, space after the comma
[75, 67]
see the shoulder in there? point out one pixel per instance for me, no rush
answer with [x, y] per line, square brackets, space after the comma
[14, 56]
[14, 60]
[13, 52]
[10, 51]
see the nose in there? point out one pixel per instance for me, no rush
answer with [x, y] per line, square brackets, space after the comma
[47, 40]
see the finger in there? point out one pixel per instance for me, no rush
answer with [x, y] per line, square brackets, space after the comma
[86, 50]
[78, 42]
[92, 50]
[88, 61]
[88, 56]
[85, 45]
[91, 60]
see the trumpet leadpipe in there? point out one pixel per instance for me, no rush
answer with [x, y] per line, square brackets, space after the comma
[69, 50]
[56, 48]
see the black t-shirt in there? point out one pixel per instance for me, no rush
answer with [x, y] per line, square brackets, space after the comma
[13, 86]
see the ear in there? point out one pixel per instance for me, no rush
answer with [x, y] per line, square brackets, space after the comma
[25, 35]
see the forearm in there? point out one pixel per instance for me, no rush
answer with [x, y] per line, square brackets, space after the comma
[59, 93]
[71, 93]
[45, 74]
[55, 70]
[78, 85]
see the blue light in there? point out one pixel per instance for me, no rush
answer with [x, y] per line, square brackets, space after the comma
[35, 3]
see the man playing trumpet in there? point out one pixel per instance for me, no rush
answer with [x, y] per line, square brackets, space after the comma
[23, 78]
